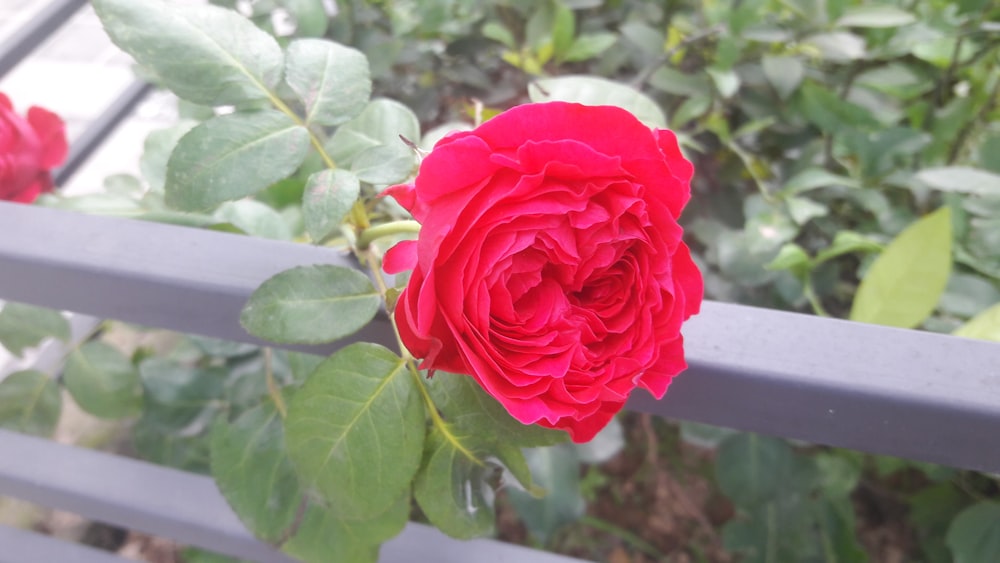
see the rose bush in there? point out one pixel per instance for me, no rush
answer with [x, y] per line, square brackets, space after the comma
[550, 265]
[29, 148]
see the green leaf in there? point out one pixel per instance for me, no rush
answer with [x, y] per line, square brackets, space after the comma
[309, 15]
[103, 381]
[974, 535]
[310, 305]
[451, 487]
[326, 536]
[753, 469]
[904, 284]
[332, 81]
[837, 46]
[961, 179]
[254, 218]
[382, 122]
[727, 83]
[563, 30]
[253, 472]
[180, 397]
[557, 470]
[385, 164]
[704, 435]
[846, 242]
[793, 258]
[355, 430]
[24, 326]
[328, 197]
[30, 403]
[673, 81]
[497, 32]
[875, 16]
[832, 113]
[466, 406]
[596, 91]
[233, 156]
[812, 178]
[156, 152]
[984, 326]
[783, 73]
[204, 54]
[589, 45]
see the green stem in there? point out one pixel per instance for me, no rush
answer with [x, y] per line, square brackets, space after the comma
[368, 235]
[623, 534]
[411, 366]
[272, 386]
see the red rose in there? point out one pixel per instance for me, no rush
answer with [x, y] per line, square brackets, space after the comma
[29, 148]
[550, 265]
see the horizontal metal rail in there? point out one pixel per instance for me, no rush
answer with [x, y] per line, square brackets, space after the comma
[22, 546]
[189, 508]
[26, 39]
[912, 394]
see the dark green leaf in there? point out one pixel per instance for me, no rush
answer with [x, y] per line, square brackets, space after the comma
[328, 197]
[103, 381]
[233, 156]
[355, 430]
[452, 488]
[465, 405]
[24, 326]
[311, 305]
[902, 287]
[205, 54]
[753, 469]
[253, 472]
[332, 81]
[325, 536]
[30, 403]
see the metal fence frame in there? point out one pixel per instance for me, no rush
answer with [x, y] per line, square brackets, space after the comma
[918, 395]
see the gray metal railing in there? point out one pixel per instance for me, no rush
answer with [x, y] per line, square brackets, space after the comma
[911, 394]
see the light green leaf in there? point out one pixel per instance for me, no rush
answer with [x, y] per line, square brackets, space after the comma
[837, 46]
[254, 218]
[233, 156]
[355, 430]
[332, 81]
[875, 16]
[589, 45]
[596, 91]
[846, 242]
[385, 164]
[156, 152]
[310, 305]
[24, 326]
[812, 178]
[974, 535]
[673, 81]
[253, 472]
[985, 325]
[382, 122]
[470, 409]
[961, 179]
[30, 403]
[904, 284]
[783, 73]
[103, 381]
[726, 81]
[557, 470]
[563, 30]
[452, 489]
[328, 197]
[310, 17]
[204, 54]
[802, 209]
[326, 536]
[793, 258]
[497, 32]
